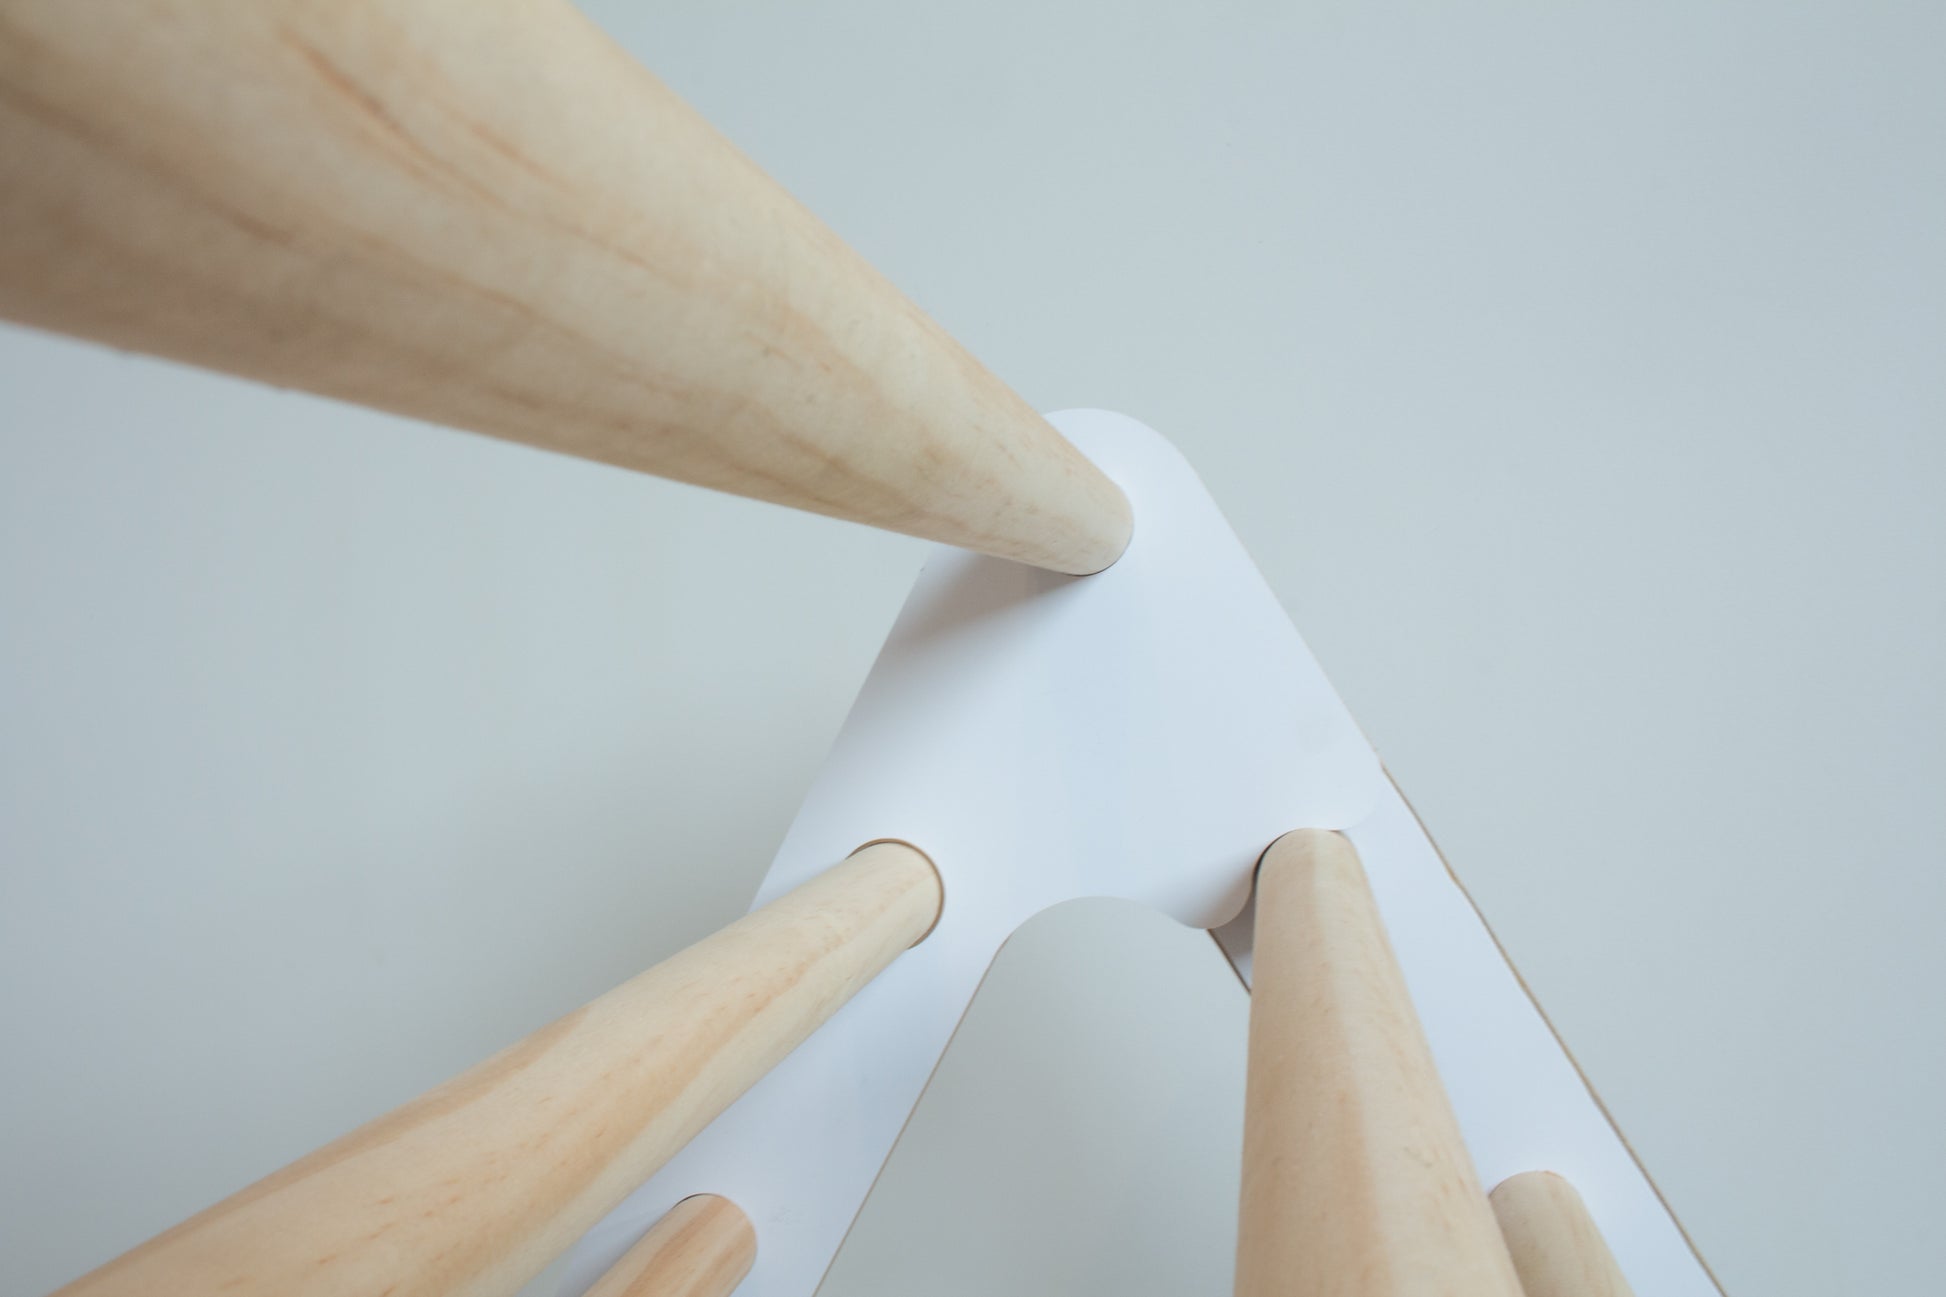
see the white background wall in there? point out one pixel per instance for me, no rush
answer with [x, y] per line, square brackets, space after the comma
[1574, 372]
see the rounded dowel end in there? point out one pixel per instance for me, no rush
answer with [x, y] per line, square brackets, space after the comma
[1556, 1247]
[1355, 1177]
[489, 216]
[449, 1193]
[703, 1247]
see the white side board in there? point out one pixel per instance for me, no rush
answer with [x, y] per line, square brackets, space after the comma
[1142, 733]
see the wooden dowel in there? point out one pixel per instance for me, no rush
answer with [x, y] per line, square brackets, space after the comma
[702, 1248]
[1557, 1250]
[476, 1185]
[487, 215]
[1355, 1178]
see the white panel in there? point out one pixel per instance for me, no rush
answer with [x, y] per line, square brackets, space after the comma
[1141, 733]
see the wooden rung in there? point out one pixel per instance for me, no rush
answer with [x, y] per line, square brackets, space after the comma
[702, 1248]
[476, 1185]
[1557, 1250]
[487, 215]
[1355, 1178]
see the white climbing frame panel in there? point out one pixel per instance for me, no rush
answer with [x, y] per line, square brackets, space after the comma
[1141, 733]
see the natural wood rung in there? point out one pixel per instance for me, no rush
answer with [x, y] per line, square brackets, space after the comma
[1355, 1178]
[1557, 1249]
[477, 1185]
[702, 1247]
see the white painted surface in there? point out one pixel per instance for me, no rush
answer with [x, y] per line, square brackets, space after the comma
[337, 752]
[1141, 734]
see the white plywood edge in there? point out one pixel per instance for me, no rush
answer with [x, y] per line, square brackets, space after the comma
[1142, 733]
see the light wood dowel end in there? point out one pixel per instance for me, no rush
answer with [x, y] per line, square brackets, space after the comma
[475, 1186]
[1355, 1177]
[485, 214]
[1557, 1250]
[702, 1248]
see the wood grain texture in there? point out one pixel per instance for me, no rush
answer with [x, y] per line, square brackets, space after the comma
[475, 1186]
[1356, 1182]
[485, 214]
[1557, 1250]
[702, 1248]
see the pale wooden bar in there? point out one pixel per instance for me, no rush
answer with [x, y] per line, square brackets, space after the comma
[1556, 1247]
[473, 1187]
[703, 1247]
[484, 213]
[1355, 1178]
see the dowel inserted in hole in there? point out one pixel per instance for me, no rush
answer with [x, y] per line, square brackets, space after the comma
[487, 215]
[478, 1184]
[1355, 1178]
